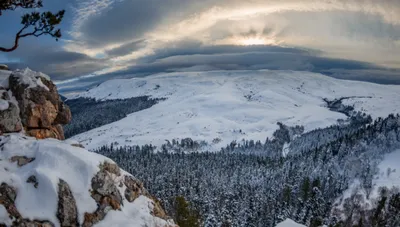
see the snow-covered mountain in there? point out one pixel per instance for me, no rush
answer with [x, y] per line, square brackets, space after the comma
[225, 106]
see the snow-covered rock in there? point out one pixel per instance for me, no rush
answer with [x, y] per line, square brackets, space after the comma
[51, 182]
[225, 106]
[289, 223]
[3, 67]
[32, 99]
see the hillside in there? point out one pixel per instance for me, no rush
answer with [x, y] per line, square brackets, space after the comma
[226, 106]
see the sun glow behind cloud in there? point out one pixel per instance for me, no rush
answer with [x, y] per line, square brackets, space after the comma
[311, 24]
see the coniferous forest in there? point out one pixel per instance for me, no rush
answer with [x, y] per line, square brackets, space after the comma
[295, 174]
[89, 113]
[243, 186]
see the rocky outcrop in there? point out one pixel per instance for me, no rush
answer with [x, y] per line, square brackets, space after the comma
[85, 187]
[35, 105]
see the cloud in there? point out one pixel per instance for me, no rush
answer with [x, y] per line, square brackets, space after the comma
[192, 57]
[125, 48]
[139, 37]
[56, 62]
[339, 28]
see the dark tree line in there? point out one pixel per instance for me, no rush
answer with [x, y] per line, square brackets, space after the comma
[89, 113]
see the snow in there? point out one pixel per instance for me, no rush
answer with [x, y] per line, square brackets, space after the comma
[389, 172]
[4, 216]
[289, 223]
[384, 178]
[31, 78]
[231, 105]
[4, 74]
[135, 211]
[56, 160]
[3, 105]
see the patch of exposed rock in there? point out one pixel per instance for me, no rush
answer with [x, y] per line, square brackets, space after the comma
[3, 67]
[8, 195]
[67, 212]
[21, 160]
[106, 193]
[32, 180]
[33, 104]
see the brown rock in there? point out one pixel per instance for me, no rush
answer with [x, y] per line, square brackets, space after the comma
[41, 110]
[105, 193]
[55, 132]
[104, 185]
[67, 212]
[134, 188]
[64, 114]
[22, 160]
[7, 199]
[111, 168]
[158, 211]
[28, 223]
[58, 131]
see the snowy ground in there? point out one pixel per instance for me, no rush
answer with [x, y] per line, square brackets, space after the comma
[389, 172]
[289, 223]
[56, 160]
[231, 105]
[388, 176]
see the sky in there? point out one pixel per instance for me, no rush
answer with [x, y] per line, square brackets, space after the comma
[105, 39]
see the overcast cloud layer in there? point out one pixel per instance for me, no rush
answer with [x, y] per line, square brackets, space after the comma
[358, 39]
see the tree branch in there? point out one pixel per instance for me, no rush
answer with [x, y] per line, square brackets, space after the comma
[16, 41]
[14, 4]
[44, 24]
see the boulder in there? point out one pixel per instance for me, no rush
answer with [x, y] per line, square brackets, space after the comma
[37, 108]
[9, 119]
[3, 67]
[67, 212]
[134, 188]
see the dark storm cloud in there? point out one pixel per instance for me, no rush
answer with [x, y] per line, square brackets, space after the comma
[57, 63]
[124, 21]
[383, 76]
[190, 48]
[214, 58]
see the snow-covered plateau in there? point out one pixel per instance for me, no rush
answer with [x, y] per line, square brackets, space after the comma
[232, 105]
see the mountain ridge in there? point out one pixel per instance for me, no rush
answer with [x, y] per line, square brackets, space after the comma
[235, 105]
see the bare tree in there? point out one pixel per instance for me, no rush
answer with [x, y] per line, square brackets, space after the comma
[34, 23]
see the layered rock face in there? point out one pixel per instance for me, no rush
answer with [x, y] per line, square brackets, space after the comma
[33, 105]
